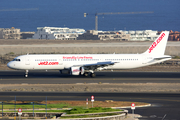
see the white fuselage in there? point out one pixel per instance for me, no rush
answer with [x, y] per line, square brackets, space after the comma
[83, 64]
[65, 61]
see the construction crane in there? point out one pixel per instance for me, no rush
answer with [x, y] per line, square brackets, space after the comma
[112, 13]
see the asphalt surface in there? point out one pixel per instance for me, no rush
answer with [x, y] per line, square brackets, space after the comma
[165, 106]
[54, 77]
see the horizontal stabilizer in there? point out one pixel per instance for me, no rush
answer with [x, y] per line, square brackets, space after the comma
[161, 58]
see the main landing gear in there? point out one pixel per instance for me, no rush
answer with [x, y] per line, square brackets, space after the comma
[92, 74]
[26, 73]
[86, 74]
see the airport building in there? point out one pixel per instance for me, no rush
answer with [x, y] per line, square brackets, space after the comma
[10, 33]
[57, 33]
[144, 35]
[104, 35]
[27, 35]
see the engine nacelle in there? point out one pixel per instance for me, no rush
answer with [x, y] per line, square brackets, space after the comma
[75, 71]
[81, 70]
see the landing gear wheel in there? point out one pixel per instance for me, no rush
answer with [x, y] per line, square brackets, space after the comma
[26, 76]
[93, 75]
[26, 73]
[85, 74]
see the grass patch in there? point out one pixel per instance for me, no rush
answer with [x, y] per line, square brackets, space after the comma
[77, 110]
[67, 104]
[30, 106]
[30, 111]
[87, 116]
[80, 110]
[176, 57]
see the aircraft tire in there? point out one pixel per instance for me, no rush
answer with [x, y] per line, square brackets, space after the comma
[85, 74]
[93, 75]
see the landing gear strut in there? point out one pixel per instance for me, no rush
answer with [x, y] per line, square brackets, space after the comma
[26, 73]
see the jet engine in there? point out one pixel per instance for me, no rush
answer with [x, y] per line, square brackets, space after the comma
[77, 70]
[73, 71]
[81, 70]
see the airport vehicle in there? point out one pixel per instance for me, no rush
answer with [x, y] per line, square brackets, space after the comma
[86, 64]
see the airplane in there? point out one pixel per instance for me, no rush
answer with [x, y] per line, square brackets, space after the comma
[87, 64]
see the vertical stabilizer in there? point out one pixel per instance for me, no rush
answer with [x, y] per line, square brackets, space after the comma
[159, 45]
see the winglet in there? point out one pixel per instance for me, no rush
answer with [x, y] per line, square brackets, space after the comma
[159, 45]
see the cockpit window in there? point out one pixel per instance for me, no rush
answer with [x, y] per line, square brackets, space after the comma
[16, 60]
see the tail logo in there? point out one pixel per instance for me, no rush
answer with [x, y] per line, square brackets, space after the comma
[156, 42]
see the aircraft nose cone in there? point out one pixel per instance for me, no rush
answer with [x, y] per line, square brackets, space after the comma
[10, 65]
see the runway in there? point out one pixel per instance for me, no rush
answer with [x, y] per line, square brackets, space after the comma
[163, 105]
[54, 77]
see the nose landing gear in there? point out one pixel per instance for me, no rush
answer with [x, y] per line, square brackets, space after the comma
[26, 73]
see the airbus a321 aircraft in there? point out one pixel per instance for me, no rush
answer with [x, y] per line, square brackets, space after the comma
[86, 64]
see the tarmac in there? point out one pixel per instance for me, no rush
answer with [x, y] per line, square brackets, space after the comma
[133, 117]
[162, 105]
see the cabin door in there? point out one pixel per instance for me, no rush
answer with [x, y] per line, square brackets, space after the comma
[27, 60]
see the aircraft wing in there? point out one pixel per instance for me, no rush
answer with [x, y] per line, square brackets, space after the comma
[96, 65]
